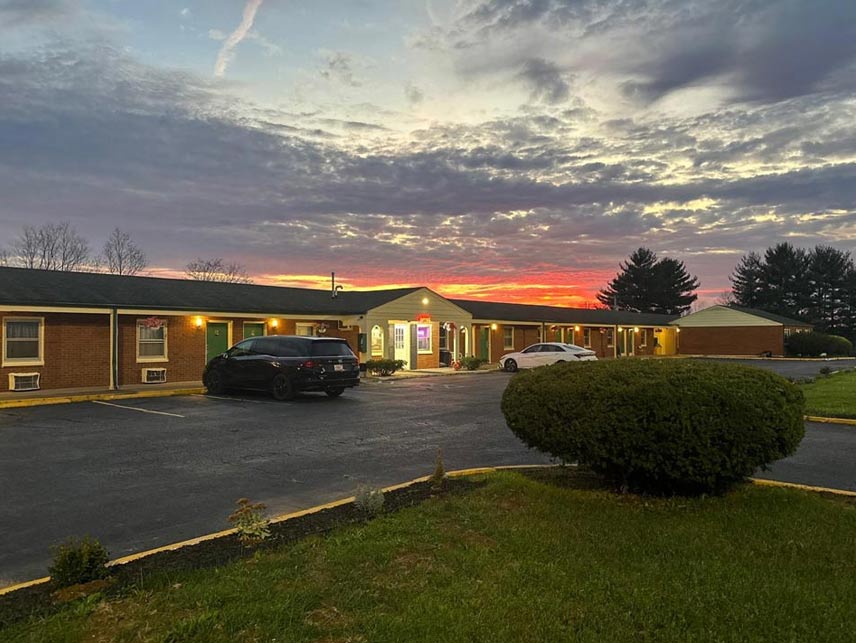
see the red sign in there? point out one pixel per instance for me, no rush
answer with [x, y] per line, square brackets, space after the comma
[423, 317]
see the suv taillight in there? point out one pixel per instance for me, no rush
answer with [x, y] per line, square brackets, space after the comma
[308, 364]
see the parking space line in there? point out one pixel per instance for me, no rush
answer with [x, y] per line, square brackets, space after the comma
[134, 408]
[230, 399]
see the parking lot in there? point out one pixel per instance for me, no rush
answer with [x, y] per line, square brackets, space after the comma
[142, 473]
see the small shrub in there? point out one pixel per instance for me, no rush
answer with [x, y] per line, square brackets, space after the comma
[384, 367]
[814, 344]
[78, 561]
[655, 425]
[471, 363]
[250, 521]
[368, 500]
[439, 474]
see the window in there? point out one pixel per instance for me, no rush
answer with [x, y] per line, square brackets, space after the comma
[587, 337]
[398, 337]
[23, 341]
[610, 337]
[423, 338]
[151, 343]
[508, 337]
[535, 348]
[377, 340]
[304, 330]
[444, 337]
[643, 337]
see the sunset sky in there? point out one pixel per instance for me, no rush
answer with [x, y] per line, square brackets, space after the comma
[509, 149]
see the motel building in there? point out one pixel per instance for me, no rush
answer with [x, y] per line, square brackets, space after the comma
[74, 330]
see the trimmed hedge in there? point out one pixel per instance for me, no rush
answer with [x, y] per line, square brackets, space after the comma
[384, 367]
[814, 344]
[661, 426]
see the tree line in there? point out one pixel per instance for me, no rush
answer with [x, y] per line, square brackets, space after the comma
[58, 246]
[815, 285]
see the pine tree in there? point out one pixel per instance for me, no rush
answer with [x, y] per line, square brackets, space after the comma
[784, 287]
[827, 282]
[746, 281]
[646, 284]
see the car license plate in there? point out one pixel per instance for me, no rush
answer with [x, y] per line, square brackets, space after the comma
[338, 367]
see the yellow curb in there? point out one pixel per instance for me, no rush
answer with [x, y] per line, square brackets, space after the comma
[803, 487]
[816, 418]
[92, 397]
[278, 519]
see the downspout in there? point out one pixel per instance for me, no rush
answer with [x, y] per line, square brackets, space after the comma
[615, 342]
[114, 349]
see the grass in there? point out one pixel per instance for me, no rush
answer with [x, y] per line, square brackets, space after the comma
[832, 395]
[517, 560]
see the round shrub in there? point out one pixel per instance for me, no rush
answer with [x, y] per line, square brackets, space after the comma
[78, 561]
[816, 344]
[660, 426]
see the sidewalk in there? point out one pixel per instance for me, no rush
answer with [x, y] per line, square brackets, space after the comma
[430, 372]
[69, 395]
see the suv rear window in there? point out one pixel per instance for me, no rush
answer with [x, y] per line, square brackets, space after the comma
[331, 349]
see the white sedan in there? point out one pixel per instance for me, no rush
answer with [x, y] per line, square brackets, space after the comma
[546, 353]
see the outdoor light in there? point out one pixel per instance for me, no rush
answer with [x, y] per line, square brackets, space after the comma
[425, 301]
[636, 329]
[576, 329]
[620, 329]
[274, 323]
[493, 326]
[197, 321]
[677, 330]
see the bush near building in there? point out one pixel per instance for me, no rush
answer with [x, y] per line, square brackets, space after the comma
[658, 426]
[817, 344]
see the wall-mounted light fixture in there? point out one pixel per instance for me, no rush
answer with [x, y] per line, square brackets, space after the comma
[677, 330]
[620, 329]
[425, 301]
[636, 329]
[274, 323]
[493, 326]
[197, 321]
[576, 329]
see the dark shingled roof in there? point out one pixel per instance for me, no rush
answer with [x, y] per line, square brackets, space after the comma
[785, 321]
[24, 287]
[557, 315]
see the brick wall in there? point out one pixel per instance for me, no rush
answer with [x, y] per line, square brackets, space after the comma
[746, 340]
[185, 350]
[433, 360]
[76, 351]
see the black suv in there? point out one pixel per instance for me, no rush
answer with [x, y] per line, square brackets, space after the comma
[285, 365]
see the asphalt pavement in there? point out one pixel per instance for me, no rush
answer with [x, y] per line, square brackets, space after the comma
[138, 474]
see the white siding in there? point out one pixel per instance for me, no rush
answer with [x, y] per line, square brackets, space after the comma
[721, 316]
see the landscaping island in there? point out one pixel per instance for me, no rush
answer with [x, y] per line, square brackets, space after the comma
[550, 556]
[832, 396]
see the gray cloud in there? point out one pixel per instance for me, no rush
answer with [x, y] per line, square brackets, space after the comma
[545, 80]
[338, 66]
[19, 13]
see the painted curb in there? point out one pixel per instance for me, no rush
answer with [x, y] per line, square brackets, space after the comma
[97, 397]
[763, 482]
[824, 420]
[282, 518]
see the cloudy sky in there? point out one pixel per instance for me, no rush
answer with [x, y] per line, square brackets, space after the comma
[510, 149]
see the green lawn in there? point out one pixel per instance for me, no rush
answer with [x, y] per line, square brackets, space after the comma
[518, 560]
[832, 396]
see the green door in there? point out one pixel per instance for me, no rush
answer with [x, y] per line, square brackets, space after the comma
[216, 339]
[484, 340]
[254, 329]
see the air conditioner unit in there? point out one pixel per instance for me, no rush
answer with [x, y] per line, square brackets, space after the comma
[23, 381]
[154, 375]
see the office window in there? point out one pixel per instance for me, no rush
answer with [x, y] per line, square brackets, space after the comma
[423, 338]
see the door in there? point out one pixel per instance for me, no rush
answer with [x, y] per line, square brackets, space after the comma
[484, 343]
[254, 329]
[216, 339]
[401, 343]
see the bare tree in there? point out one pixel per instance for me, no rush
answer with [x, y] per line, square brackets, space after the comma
[123, 256]
[725, 298]
[54, 246]
[217, 270]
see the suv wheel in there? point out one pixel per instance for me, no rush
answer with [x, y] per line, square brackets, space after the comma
[214, 383]
[282, 388]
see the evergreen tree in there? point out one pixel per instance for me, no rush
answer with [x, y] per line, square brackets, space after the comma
[646, 284]
[827, 278]
[784, 287]
[746, 284]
